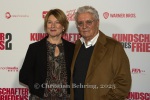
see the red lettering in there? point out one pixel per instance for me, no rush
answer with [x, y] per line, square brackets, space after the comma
[37, 36]
[70, 15]
[72, 37]
[136, 39]
[117, 15]
[44, 13]
[138, 96]
[147, 96]
[2, 36]
[142, 96]
[2, 46]
[147, 38]
[130, 15]
[141, 37]
[132, 37]
[1, 97]
[140, 47]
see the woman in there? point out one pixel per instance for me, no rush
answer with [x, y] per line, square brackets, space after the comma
[46, 68]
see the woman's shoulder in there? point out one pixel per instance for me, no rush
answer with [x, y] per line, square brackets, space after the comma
[39, 43]
[68, 42]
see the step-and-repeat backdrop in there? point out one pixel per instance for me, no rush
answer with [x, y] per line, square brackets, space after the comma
[21, 23]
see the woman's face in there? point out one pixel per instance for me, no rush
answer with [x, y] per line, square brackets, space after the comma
[54, 28]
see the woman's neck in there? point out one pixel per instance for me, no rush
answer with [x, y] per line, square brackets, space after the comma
[54, 40]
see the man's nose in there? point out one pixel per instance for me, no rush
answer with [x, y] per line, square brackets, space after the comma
[84, 25]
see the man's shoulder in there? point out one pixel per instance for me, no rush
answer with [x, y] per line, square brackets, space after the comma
[111, 41]
[78, 42]
[108, 40]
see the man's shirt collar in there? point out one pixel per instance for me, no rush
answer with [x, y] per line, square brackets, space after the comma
[91, 42]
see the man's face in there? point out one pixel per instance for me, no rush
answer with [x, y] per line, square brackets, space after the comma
[87, 25]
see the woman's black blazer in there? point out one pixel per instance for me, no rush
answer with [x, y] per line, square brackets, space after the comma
[34, 69]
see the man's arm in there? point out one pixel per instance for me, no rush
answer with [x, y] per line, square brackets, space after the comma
[122, 75]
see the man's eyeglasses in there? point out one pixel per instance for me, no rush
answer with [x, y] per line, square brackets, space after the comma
[88, 23]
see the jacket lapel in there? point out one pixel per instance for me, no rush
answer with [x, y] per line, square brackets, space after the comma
[76, 51]
[77, 48]
[98, 54]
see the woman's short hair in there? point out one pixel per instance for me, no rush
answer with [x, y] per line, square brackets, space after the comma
[86, 9]
[60, 16]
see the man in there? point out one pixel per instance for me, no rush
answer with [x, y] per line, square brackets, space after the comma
[100, 68]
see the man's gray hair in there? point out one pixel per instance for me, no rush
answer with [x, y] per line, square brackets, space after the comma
[85, 9]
